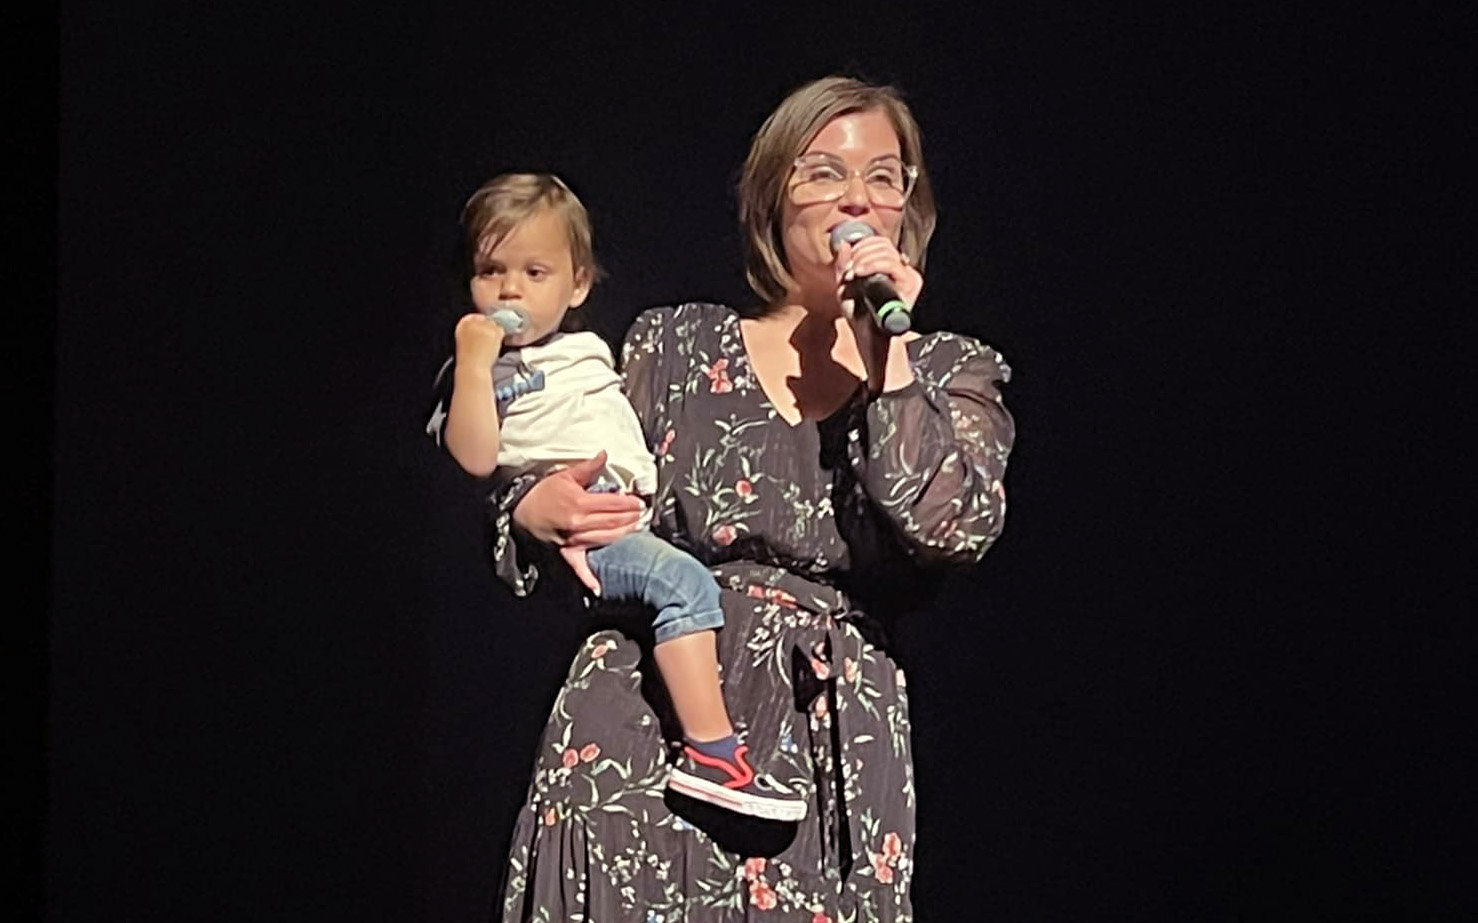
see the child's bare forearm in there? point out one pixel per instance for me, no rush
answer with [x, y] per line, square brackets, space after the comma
[472, 421]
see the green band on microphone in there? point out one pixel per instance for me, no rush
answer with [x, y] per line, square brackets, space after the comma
[894, 317]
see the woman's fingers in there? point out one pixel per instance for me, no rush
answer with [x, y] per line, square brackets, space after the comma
[879, 256]
[604, 521]
[575, 557]
[874, 255]
[594, 538]
[842, 263]
[610, 503]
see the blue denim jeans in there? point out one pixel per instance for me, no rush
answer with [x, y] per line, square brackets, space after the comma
[641, 566]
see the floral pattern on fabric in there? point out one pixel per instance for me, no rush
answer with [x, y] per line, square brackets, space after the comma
[798, 523]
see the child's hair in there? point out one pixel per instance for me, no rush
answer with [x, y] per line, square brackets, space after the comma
[503, 201]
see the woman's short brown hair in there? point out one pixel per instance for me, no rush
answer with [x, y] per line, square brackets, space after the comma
[785, 134]
[502, 202]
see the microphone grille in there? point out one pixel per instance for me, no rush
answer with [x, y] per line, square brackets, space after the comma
[849, 232]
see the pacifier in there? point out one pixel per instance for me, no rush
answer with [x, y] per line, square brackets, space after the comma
[512, 317]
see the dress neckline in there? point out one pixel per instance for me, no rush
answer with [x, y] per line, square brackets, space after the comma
[735, 318]
[767, 400]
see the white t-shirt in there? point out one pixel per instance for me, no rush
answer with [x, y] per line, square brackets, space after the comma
[561, 402]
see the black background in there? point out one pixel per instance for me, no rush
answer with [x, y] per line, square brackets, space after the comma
[1209, 671]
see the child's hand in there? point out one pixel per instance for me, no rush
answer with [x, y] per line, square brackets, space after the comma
[479, 341]
[574, 556]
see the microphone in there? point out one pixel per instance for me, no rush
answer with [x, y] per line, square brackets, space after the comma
[876, 291]
[510, 317]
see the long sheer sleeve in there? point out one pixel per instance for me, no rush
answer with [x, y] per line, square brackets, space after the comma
[932, 456]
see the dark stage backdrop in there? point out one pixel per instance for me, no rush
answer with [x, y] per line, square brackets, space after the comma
[283, 684]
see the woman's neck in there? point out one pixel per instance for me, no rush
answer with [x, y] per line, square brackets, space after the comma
[805, 361]
[814, 309]
[808, 329]
[816, 329]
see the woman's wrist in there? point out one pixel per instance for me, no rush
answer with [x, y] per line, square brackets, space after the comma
[525, 515]
[898, 373]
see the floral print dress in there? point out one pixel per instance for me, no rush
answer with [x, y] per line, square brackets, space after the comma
[818, 533]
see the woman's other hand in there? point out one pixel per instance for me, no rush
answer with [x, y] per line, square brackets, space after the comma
[574, 556]
[873, 255]
[885, 356]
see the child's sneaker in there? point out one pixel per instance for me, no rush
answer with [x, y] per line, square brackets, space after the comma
[733, 784]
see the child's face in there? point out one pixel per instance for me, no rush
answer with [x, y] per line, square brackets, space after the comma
[531, 266]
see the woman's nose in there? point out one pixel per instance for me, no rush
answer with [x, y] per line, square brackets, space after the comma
[854, 200]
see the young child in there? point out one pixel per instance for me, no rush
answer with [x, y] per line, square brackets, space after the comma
[527, 394]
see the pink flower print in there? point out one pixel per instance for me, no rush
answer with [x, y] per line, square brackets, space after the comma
[725, 534]
[718, 377]
[881, 869]
[570, 758]
[821, 668]
[762, 895]
[754, 868]
[743, 488]
[601, 650]
[892, 846]
[666, 442]
[774, 595]
[777, 595]
[819, 708]
[589, 752]
[550, 817]
[849, 669]
[820, 917]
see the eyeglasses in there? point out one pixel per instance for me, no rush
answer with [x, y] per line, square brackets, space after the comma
[825, 178]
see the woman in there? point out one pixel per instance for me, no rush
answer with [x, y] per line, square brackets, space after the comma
[820, 467]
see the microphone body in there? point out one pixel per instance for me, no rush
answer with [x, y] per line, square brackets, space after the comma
[876, 292]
